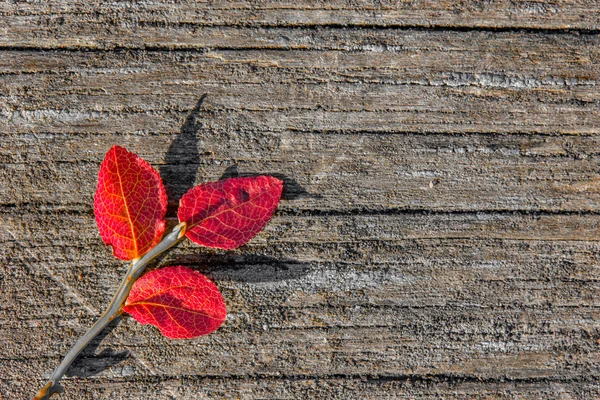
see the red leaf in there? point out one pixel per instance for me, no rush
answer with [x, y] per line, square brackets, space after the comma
[228, 213]
[181, 302]
[130, 204]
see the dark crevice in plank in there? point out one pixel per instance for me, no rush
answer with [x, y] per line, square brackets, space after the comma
[308, 27]
[87, 209]
[374, 378]
[525, 132]
[345, 132]
[121, 49]
[49, 208]
[426, 211]
[375, 26]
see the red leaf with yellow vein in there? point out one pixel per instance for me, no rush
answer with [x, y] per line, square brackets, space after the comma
[130, 204]
[228, 213]
[181, 302]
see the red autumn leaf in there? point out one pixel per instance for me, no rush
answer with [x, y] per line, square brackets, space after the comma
[228, 213]
[130, 204]
[181, 302]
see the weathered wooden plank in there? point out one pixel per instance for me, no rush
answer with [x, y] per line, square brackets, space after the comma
[431, 83]
[439, 233]
[491, 343]
[335, 170]
[504, 60]
[495, 352]
[296, 387]
[62, 228]
[327, 251]
[486, 344]
[407, 304]
[141, 24]
[412, 307]
[412, 52]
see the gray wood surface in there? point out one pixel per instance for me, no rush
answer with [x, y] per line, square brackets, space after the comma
[438, 236]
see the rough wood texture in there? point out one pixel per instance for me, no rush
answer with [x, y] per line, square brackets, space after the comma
[439, 233]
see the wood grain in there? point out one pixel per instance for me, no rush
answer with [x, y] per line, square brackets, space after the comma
[147, 24]
[438, 236]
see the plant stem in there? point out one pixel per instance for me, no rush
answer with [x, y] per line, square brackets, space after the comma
[115, 308]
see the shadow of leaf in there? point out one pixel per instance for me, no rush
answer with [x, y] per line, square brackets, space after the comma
[248, 268]
[292, 190]
[179, 172]
[182, 158]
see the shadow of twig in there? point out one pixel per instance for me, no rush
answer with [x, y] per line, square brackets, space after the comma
[89, 364]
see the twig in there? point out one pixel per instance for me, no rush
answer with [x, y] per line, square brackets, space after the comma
[115, 308]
